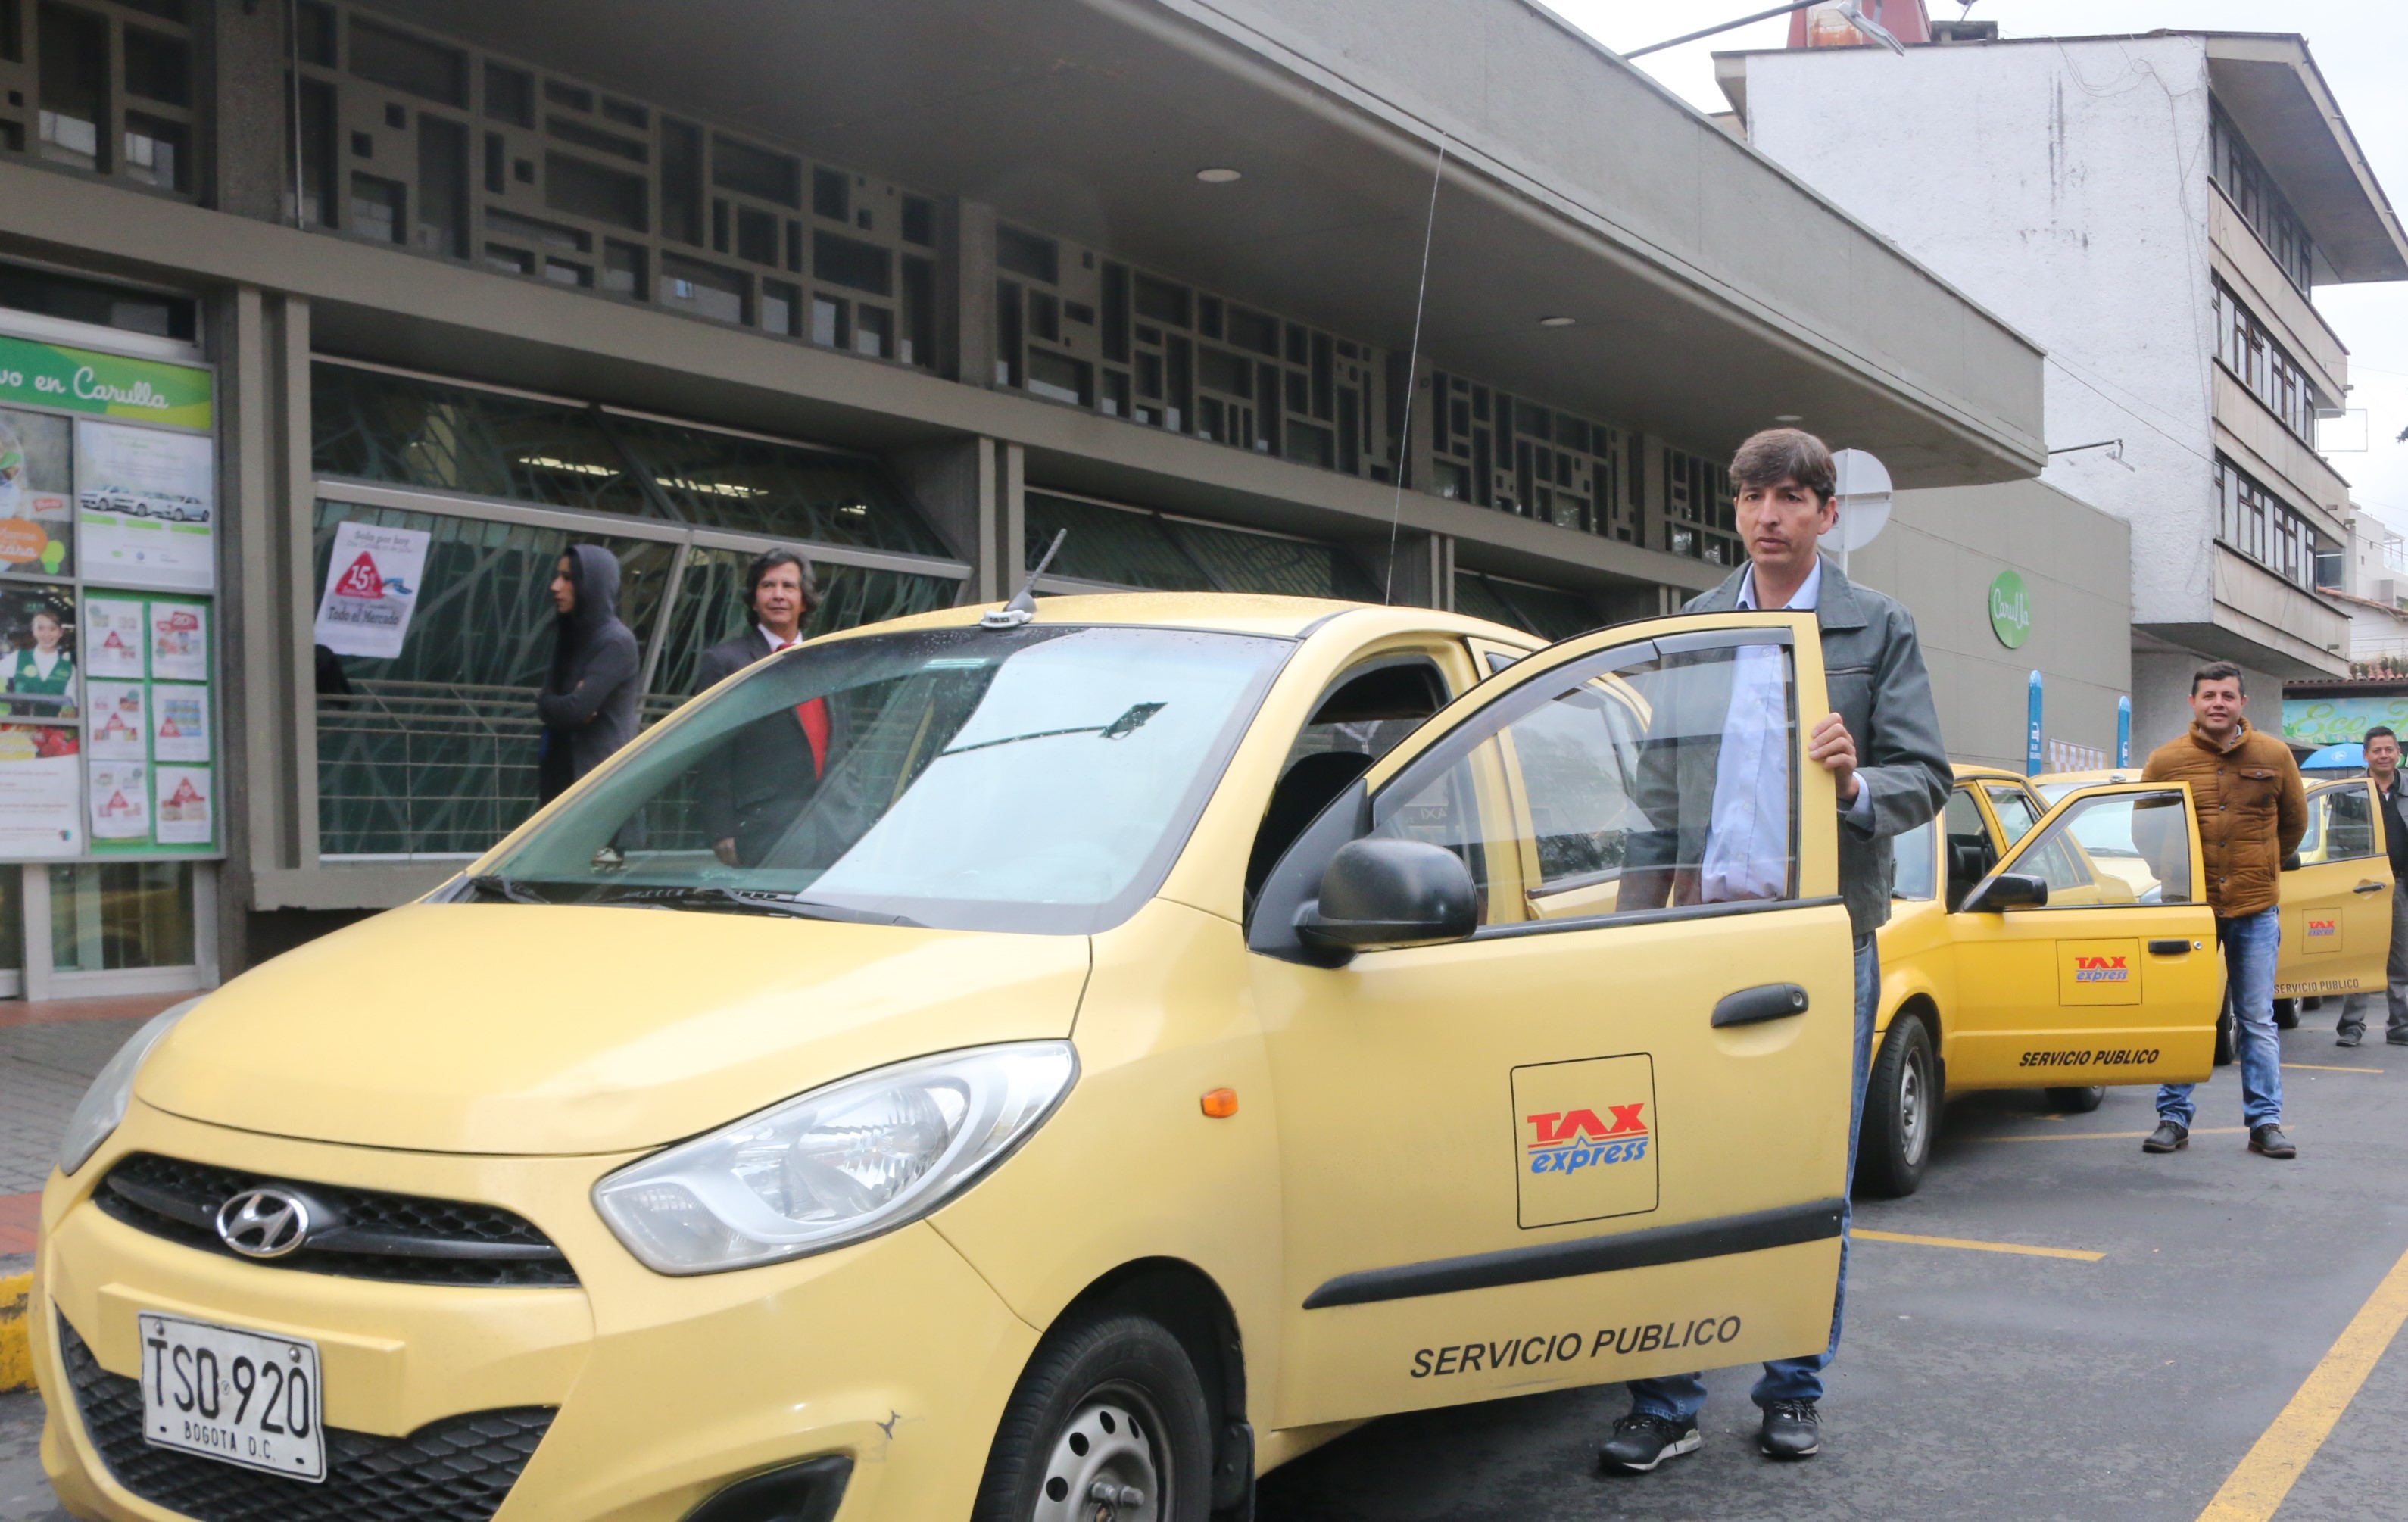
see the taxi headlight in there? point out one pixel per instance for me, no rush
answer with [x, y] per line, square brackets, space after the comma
[860, 1156]
[103, 1109]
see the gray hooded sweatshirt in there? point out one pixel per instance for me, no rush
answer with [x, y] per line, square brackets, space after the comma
[588, 702]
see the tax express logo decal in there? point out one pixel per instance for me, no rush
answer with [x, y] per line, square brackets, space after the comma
[1586, 1134]
[2100, 970]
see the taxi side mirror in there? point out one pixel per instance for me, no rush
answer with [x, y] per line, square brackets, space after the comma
[2291, 862]
[1382, 891]
[2009, 890]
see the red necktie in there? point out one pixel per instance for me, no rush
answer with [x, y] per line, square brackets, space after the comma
[813, 717]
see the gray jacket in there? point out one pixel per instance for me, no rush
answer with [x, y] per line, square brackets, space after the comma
[1881, 691]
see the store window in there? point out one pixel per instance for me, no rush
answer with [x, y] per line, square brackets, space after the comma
[108, 710]
[1129, 547]
[426, 726]
[121, 916]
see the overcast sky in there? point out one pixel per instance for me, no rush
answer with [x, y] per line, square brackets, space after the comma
[2361, 45]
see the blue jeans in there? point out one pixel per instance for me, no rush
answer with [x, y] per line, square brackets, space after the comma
[2249, 943]
[1680, 1396]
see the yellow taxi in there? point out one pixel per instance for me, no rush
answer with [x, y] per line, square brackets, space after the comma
[2111, 978]
[2335, 896]
[1158, 1032]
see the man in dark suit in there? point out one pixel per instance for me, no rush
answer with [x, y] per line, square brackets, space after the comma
[751, 788]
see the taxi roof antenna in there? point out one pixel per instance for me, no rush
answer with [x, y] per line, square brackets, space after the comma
[1022, 609]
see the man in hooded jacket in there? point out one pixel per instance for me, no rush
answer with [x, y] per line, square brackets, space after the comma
[588, 702]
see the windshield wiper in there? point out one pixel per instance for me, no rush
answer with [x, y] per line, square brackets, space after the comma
[713, 900]
[1129, 723]
[490, 886]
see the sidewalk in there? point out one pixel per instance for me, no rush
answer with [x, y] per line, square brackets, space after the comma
[49, 1052]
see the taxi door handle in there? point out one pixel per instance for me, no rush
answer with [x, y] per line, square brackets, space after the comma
[1769, 1001]
[2369, 887]
[2169, 948]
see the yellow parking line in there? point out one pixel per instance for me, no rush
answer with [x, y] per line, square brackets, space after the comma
[2320, 1067]
[16, 1358]
[2256, 1490]
[2075, 1253]
[2109, 1136]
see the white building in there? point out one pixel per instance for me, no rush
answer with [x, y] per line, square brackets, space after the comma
[2156, 211]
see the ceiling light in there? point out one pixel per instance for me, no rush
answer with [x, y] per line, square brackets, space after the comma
[1218, 177]
[1789, 417]
[1555, 322]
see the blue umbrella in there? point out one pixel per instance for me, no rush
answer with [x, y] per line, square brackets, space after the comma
[2349, 757]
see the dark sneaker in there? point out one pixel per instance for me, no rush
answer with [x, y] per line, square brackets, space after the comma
[1643, 1440]
[2349, 1038]
[2271, 1141]
[2168, 1137]
[1792, 1430]
[2395, 1040]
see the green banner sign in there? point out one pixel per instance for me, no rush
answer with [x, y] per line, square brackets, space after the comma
[107, 385]
[2341, 720]
[2010, 610]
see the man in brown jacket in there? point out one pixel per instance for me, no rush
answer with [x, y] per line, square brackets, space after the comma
[2251, 815]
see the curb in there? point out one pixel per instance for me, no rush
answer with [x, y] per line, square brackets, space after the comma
[16, 1355]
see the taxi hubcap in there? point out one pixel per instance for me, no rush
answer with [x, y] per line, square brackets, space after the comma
[1102, 1468]
[1912, 1117]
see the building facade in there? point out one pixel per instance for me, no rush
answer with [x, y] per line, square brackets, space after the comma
[475, 283]
[2156, 211]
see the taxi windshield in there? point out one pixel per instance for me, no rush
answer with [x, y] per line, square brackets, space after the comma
[1037, 778]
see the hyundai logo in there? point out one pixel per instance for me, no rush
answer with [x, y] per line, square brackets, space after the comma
[263, 1222]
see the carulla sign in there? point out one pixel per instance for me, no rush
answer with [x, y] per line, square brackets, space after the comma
[105, 386]
[2010, 610]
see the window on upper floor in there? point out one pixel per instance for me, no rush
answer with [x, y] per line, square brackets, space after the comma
[2244, 181]
[108, 88]
[2259, 361]
[2259, 524]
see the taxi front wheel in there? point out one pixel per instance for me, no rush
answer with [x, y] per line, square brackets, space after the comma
[1901, 1113]
[1108, 1424]
[2077, 1101]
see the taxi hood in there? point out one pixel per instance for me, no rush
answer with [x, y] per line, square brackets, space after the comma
[520, 1029]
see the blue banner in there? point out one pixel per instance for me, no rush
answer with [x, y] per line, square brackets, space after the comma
[2031, 737]
[2123, 732]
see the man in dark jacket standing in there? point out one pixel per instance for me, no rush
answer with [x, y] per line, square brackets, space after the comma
[750, 789]
[2252, 813]
[588, 701]
[2383, 770]
[1883, 750]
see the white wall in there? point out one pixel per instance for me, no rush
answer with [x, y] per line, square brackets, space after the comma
[2063, 186]
[1939, 556]
[2161, 698]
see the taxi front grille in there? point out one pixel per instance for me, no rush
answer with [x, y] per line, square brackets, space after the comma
[456, 1469]
[356, 1234]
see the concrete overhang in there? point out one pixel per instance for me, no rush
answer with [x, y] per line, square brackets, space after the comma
[2271, 87]
[1711, 292]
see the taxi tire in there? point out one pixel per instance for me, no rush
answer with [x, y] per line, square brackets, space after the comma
[1890, 1162]
[2286, 1014]
[2077, 1101]
[1136, 1361]
[2225, 1035]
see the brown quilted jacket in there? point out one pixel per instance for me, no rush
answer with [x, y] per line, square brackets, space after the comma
[2251, 812]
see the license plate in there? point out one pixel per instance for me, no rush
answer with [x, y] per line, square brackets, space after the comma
[241, 1397]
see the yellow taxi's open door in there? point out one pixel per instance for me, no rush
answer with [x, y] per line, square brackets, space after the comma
[1600, 1130]
[2088, 956]
[2337, 903]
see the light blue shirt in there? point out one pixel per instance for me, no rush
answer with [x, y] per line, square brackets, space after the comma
[1747, 837]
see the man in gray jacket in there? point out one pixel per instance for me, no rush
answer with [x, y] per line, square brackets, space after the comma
[1882, 747]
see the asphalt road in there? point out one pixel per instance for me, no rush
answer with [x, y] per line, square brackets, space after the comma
[1973, 1384]
[1997, 1386]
